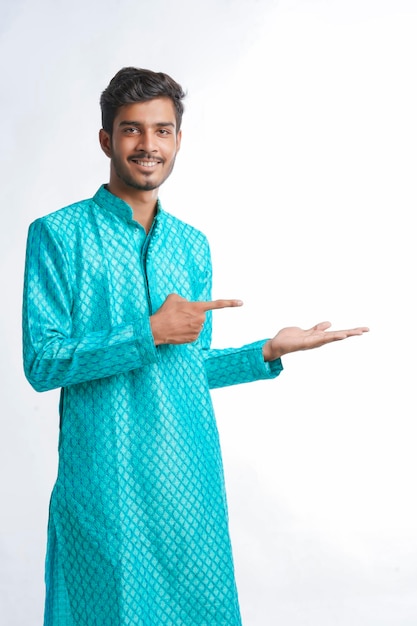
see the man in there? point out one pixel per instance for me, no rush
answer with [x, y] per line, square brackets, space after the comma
[117, 313]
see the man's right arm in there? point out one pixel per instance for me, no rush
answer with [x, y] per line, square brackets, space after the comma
[52, 356]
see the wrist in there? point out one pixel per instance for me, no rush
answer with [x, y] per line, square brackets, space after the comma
[266, 351]
[271, 352]
[154, 329]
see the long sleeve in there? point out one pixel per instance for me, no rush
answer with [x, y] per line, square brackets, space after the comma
[233, 366]
[53, 356]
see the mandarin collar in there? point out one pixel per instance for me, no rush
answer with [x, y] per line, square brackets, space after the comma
[108, 201]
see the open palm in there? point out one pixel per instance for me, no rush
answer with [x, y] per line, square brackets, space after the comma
[293, 339]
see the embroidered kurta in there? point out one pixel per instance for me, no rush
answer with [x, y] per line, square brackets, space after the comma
[138, 526]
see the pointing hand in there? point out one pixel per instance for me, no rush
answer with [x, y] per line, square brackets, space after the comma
[180, 321]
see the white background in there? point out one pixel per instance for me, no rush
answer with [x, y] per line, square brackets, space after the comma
[299, 162]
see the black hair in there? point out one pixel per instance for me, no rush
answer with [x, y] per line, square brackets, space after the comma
[131, 85]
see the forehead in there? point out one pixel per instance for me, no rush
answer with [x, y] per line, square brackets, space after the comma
[157, 111]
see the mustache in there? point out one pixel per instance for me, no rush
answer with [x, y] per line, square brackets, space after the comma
[143, 156]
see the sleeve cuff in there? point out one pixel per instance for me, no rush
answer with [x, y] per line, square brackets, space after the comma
[263, 369]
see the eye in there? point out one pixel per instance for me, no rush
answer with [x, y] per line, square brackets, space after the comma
[164, 132]
[130, 130]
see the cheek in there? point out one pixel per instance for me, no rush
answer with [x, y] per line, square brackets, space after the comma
[174, 152]
[120, 149]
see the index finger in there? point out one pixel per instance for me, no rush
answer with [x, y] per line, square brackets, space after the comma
[218, 304]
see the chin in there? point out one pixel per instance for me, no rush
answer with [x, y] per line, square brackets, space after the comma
[146, 186]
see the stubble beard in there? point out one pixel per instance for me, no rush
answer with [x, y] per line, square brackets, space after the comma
[124, 175]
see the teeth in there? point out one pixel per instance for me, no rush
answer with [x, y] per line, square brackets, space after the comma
[146, 163]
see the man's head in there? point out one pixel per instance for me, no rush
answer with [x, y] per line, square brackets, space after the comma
[141, 113]
[131, 85]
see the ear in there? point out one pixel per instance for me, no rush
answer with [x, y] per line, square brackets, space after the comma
[105, 142]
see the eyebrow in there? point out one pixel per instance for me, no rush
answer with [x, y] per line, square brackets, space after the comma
[134, 123]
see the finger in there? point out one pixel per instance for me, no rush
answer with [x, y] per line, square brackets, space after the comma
[321, 326]
[219, 304]
[351, 331]
[337, 335]
[357, 331]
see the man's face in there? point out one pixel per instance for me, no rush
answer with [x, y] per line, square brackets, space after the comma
[143, 145]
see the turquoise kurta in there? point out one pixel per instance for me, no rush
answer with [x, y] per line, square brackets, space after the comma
[138, 529]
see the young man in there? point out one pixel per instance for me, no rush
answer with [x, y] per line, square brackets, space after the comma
[117, 313]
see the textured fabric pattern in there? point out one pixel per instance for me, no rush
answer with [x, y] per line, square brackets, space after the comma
[138, 528]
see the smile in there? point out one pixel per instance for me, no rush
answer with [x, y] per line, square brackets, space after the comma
[145, 163]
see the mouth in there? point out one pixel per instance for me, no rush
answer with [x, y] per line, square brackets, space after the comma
[148, 163]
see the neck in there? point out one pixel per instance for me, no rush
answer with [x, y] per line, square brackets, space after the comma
[142, 203]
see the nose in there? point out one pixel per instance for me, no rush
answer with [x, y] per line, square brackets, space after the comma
[146, 141]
